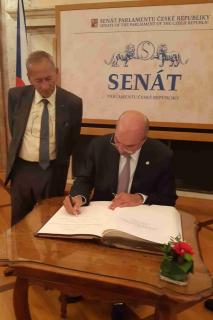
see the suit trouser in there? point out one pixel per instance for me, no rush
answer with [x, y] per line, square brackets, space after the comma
[29, 184]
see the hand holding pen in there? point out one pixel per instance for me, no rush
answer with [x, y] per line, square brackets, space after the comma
[73, 204]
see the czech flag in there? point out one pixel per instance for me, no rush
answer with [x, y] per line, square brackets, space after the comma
[21, 47]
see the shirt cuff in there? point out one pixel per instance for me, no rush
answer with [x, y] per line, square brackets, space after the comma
[84, 200]
[143, 197]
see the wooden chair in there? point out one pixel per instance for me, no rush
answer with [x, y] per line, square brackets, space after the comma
[205, 224]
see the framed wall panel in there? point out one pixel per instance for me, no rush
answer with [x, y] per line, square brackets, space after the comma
[151, 56]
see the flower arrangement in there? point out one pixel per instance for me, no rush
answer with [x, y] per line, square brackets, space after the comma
[177, 260]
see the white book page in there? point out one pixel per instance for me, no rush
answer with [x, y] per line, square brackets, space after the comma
[92, 220]
[154, 223]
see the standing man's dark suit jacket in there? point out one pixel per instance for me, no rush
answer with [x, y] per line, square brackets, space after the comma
[68, 122]
[153, 175]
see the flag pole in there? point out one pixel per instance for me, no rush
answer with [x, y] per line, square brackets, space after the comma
[21, 46]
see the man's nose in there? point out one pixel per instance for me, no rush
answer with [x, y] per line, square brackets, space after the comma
[45, 84]
[120, 148]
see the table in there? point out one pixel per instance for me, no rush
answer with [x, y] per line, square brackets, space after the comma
[95, 271]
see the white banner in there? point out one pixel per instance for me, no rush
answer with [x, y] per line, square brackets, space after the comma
[154, 59]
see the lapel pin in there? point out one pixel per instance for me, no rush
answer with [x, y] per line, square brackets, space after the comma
[147, 163]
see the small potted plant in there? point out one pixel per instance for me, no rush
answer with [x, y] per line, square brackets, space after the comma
[177, 261]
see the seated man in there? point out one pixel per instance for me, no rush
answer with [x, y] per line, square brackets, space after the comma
[127, 168]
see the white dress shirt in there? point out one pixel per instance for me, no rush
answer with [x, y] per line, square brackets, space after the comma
[31, 140]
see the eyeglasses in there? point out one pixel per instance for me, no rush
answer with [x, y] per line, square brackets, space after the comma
[116, 144]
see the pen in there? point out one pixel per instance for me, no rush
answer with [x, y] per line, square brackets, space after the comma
[71, 200]
[73, 204]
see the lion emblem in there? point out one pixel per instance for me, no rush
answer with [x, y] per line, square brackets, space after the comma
[120, 59]
[163, 55]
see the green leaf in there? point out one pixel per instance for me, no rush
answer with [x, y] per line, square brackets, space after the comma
[187, 257]
[186, 266]
[173, 271]
[167, 248]
[165, 265]
[179, 276]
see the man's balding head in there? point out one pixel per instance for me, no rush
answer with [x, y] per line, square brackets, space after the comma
[131, 130]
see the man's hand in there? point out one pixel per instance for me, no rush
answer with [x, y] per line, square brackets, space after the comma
[126, 200]
[73, 204]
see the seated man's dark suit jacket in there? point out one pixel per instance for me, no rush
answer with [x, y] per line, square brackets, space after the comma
[68, 122]
[153, 175]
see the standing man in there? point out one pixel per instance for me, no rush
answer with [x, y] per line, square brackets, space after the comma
[127, 168]
[44, 122]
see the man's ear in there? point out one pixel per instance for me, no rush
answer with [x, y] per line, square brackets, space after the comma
[57, 74]
[29, 78]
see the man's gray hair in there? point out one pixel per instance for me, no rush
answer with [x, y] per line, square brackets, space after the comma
[37, 56]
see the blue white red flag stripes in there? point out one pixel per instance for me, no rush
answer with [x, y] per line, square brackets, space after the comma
[21, 47]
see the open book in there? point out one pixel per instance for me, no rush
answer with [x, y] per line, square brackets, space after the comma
[140, 228]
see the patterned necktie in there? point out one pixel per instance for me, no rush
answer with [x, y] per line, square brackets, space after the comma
[44, 160]
[123, 181]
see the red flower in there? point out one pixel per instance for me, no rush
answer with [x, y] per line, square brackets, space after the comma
[181, 248]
